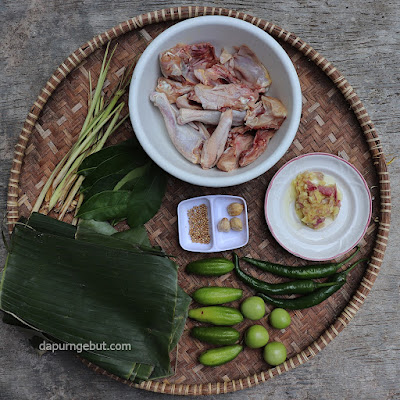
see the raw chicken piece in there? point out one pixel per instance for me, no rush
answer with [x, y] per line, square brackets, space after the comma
[180, 61]
[184, 102]
[208, 116]
[232, 95]
[229, 160]
[225, 56]
[215, 145]
[216, 75]
[238, 130]
[173, 62]
[250, 70]
[173, 89]
[269, 113]
[201, 127]
[187, 140]
[260, 143]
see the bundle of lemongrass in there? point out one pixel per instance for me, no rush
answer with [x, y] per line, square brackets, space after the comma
[61, 191]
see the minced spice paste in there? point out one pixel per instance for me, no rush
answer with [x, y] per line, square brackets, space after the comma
[316, 201]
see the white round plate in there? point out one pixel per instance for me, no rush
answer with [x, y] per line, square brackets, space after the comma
[330, 241]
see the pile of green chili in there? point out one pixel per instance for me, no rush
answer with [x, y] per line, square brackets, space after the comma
[313, 292]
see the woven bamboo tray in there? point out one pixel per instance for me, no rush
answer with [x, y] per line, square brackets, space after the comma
[334, 120]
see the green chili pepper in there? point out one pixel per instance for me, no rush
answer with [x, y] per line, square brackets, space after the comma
[306, 272]
[294, 287]
[314, 298]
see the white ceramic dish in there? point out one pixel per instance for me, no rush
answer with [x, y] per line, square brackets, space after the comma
[221, 32]
[334, 239]
[217, 209]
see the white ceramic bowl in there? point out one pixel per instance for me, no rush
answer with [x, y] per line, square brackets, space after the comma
[220, 32]
[330, 241]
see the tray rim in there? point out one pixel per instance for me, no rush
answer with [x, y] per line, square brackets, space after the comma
[370, 134]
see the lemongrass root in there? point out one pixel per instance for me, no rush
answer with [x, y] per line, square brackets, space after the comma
[71, 195]
[49, 182]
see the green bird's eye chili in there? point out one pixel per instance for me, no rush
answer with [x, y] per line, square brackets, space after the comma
[306, 272]
[314, 298]
[294, 287]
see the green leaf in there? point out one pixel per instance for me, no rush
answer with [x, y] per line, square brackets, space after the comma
[119, 164]
[133, 175]
[181, 310]
[95, 226]
[114, 242]
[94, 160]
[105, 206]
[146, 197]
[101, 185]
[76, 292]
[136, 235]
[45, 224]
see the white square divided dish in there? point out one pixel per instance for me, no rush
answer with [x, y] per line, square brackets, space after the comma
[217, 208]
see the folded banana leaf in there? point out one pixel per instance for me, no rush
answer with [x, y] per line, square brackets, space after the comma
[81, 291]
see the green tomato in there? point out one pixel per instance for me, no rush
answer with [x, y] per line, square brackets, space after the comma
[279, 318]
[256, 336]
[253, 308]
[275, 353]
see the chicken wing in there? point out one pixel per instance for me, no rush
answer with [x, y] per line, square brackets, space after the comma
[269, 113]
[232, 95]
[260, 143]
[173, 89]
[250, 70]
[179, 62]
[215, 75]
[187, 140]
[215, 145]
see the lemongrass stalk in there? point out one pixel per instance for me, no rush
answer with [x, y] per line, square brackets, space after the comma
[64, 189]
[48, 184]
[97, 108]
[59, 188]
[123, 119]
[90, 97]
[94, 122]
[102, 118]
[84, 144]
[71, 196]
[100, 82]
[111, 127]
[78, 206]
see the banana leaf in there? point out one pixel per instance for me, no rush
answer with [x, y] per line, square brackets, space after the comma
[134, 236]
[75, 291]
